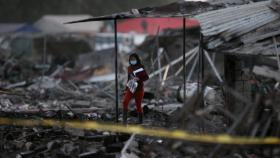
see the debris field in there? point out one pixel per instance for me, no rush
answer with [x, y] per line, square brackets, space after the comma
[218, 78]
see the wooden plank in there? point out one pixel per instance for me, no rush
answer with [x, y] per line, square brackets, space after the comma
[276, 52]
[186, 63]
[256, 38]
[173, 62]
[266, 72]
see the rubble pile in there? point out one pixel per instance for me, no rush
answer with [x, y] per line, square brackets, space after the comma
[231, 87]
[64, 95]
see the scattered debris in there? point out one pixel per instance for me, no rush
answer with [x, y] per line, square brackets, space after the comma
[227, 93]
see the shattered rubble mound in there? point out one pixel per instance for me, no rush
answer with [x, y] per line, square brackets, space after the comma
[66, 92]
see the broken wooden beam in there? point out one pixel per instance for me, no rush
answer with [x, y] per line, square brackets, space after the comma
[266, 72]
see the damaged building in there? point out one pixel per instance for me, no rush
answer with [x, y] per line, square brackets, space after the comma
[213, 88]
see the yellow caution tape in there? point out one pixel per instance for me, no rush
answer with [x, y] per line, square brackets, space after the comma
[154, 132]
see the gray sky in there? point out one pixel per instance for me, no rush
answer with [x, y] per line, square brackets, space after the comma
[32, 10]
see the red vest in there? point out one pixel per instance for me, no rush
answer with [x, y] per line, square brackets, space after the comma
[140, 72]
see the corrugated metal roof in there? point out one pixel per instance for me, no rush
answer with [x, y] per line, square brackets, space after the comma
[223, 25]
[262, 41]
[176, 9]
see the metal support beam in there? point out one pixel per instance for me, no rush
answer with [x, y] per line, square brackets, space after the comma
[193, 68]
[44, 60]
[200, 74]
[44, 55]
[116, 69]
[201, 77]
[213, 66]
[184, 57]
[230, 78]
[202, 59]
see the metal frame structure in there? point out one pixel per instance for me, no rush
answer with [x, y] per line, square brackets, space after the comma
[117, 17]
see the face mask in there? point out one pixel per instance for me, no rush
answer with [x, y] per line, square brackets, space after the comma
[133, 62]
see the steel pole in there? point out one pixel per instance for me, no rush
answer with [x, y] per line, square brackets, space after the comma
[116, 69]
[184, 57]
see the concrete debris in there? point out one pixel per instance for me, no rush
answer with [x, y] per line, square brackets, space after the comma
[191, 89]
[43, 83]
[275, 5]
[232, 85]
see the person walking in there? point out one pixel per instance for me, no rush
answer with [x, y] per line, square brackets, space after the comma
[137, 75]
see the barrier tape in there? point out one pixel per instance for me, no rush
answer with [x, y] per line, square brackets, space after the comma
[140, 130]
